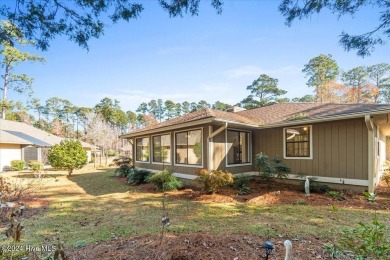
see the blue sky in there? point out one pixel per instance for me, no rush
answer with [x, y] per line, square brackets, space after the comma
[210, 56]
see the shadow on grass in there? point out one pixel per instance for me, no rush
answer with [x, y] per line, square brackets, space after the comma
[99, 183]
[31, 175]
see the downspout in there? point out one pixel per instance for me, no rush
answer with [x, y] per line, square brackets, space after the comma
[371, 152]
[210, 140]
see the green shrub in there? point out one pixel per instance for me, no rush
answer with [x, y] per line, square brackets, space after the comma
[212, 181]
[69, 155]
[370, 196]
[281, 170]
[270, 170]
[336, 195]
[386, 178]
[367, 241]
[125, 166]
[165, 181]
[17, 165]
[138, 176]
[241, 183]
[111, 153]
[124, 170]
[35, 166]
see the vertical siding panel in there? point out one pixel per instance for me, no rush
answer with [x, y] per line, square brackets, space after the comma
[350, 151]
[335, 150]
[342, 149]
[321, 150]
[328, 150]
[314, 164]
[365, 152]
[359, 149]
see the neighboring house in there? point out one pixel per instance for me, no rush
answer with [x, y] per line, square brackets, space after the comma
[337, 143]
[19, 141]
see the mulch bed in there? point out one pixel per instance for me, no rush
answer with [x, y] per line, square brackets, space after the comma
[198, 246]
[279, 193]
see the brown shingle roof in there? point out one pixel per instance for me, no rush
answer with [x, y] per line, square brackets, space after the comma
[198, 115]
[288, 112]
[281, 113]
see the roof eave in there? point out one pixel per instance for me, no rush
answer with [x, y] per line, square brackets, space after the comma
[327, 118]
[188, 124]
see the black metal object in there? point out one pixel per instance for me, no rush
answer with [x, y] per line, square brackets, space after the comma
[269, 246]
[165, 221]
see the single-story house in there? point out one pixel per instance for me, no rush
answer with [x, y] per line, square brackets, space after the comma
[20, 141]
[341, 144]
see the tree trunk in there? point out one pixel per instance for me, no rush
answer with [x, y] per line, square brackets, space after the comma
[5, 88]
[70, 172]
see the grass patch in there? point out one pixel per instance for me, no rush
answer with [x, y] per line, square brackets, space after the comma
[94, 206]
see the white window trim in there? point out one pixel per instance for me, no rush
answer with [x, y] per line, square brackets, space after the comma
[152, 148]
[135, 146]
[174, 149]
[311, 143]
[226, 149]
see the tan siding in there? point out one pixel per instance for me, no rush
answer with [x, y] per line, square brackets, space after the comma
[359, 127]
[350, 150]
[342, 147]
[339, 149]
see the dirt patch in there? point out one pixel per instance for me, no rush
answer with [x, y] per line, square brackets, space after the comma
[279, 193]
[198, 246]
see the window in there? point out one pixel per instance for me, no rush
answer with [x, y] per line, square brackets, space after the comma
[238, 147]
[298, 142]
[189, 147]
[142, 149]
[162, 148]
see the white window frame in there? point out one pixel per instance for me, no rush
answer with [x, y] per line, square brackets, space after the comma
[226, 148]
[152, 148]
[135, 146]
[174, 148]
[310, 143]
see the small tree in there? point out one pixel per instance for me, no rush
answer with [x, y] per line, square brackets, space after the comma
[69, 155]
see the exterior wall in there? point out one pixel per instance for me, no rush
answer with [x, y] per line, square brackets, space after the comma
[186, 169]
[380, 155]
[89, 154]
[30, 153]
[219, 154]
[9, 152]
[340, 149]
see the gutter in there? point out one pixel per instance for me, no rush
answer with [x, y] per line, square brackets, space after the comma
[324, 119]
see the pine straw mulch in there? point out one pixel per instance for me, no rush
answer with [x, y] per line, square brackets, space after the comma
[279, 193]
[198, 246]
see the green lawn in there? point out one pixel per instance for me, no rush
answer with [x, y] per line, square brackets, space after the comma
[94, 206]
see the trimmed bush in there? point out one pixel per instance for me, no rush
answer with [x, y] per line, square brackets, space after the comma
[271, 170]
[69, 155]
[137, 177]
[125, 166]
[241, 183]
[35, 166]
[212, 181]
[165, 181]
[17, 165]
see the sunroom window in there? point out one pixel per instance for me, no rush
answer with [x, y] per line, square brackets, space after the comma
[162, 148]
[142, 149]
[189, 147]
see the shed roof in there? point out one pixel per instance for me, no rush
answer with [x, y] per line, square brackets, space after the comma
[21, 133]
